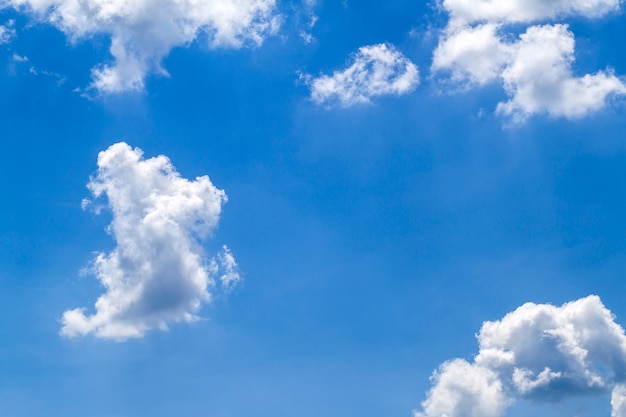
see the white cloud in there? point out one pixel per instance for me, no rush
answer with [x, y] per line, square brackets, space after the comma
[513, 11]
[538, 351]
[143, 32]
[473, 55]
[476, 48]
[463, 389]
[539, 77]
[7, 32]
[374, 71]
[156, 273]
[618, 401]
[227, 269]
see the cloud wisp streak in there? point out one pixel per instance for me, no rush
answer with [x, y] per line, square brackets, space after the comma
[540, 352]
[143, 33]
[157, 273]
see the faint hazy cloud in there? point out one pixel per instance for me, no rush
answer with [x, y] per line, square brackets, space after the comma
[538, 351]
[7, 31]
[477, 48]
[157, 273]
[374, 70]
[143, 33]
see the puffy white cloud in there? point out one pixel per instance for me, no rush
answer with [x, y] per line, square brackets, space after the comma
[156, 274]
[374, 71]
[474, 55]
[536, 70]
[463, 389]
[539, 77]
[476, 48]
[538, 351]
[143, 32]
[512, 11]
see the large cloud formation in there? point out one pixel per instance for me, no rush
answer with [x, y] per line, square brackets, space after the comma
[536, 69]
[540, 352]
[156, 274]
[374, 70]
[143, 32]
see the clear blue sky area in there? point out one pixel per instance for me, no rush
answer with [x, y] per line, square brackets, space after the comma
[376, 221]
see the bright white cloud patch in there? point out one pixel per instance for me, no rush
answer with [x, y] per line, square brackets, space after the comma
[536, 69]
[539, 77]
[374, 71]
[538, 351]
[473, 55]
[156, 274]
[513, 11]
[143, 32]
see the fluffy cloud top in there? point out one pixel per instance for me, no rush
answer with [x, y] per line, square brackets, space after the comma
[473, 55]
[538, 351]
[539, 77]
[536, 70]
[156, 274]
[374, 71]
[143, 32]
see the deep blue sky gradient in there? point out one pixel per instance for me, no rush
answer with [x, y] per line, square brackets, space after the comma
[373, 240]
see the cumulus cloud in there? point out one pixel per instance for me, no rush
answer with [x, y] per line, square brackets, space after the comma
[539, 77]
[473, 55]
[477, 48]
[143, 32]
[374, 71]
[540, 352]
[156, 274]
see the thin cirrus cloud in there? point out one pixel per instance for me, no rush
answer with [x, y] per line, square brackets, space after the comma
[143, 33]
[536, 69]
[540, 352]
[156, 274]
[374, 70]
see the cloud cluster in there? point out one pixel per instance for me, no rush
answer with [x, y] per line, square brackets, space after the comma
[535, 69]
[374, 70]
[143, 32]
[540, 352]
[156, 274]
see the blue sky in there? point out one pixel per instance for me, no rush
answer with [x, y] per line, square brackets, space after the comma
[388, 183]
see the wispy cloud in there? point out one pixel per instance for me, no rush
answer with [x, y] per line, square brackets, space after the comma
[143, 33]
[374, 70]
[157, 273]
[538, 351]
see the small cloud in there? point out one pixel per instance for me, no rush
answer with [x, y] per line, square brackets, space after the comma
[228, 270]
[374, 70]
[7, 32]
[155, 275]
[19, 58]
